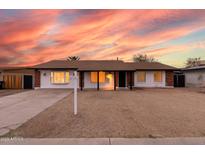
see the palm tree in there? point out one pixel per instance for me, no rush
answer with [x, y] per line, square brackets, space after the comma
[143, 58]
[73, 58]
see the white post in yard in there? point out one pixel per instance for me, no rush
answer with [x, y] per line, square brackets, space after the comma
[75, 105]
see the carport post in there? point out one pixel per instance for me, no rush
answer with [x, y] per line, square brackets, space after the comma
[75, 105]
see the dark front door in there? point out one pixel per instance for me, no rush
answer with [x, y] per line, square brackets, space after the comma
[28, 82]
[179, 80]
[122, 79]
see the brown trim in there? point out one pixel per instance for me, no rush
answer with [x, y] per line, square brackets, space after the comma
[156, 70]
[128, 79]
[98, 84]
[81, 80]
[54, 68]
[169, 78]
[131, 80]
[114, 80]
[117, 78]
[37, 79]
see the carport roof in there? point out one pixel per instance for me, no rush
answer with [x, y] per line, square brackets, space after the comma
[195, 68]
[103, 65]
[11, 68]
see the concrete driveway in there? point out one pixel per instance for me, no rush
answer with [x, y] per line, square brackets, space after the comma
[18, 108]
[7, 92]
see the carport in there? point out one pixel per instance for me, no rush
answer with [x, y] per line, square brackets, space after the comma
[16, 78]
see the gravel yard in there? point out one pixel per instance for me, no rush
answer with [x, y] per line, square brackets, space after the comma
[139, 113]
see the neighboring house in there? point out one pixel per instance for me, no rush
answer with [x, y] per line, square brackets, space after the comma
[17, 78]
[195, 76]
[103, 74]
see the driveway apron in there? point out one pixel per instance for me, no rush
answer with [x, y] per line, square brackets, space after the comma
[18, 108]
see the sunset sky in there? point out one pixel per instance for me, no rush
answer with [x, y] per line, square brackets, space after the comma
[29, 37]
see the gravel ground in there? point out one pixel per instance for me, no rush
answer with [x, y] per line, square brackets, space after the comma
[150, 113]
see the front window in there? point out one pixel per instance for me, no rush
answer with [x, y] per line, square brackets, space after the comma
[158, 76]
[60, 77]
[94, 77]
[141, 76]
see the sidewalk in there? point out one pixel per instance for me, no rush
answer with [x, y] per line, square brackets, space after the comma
[103, 141]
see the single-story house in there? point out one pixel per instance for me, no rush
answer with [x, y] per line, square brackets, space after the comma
[195, 76]
[17, 77]
[102, 74]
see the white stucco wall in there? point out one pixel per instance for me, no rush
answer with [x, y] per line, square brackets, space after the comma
[150, 80]
[195, 78]
[108, 84]
[45, 80]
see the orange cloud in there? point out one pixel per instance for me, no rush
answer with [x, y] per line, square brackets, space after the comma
[42, 35]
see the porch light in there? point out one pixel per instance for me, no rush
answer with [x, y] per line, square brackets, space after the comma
[109, 76]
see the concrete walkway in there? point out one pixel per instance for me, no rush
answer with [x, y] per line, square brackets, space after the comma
[18, 108]
[103, 141]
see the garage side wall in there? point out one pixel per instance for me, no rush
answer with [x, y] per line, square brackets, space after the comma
[150, 80]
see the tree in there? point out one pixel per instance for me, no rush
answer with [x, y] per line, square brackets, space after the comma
[143, 58]
[73, 58]
[193, 62]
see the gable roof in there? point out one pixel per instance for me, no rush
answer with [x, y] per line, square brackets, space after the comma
[152, 66]
[59, 64]
[103, 65]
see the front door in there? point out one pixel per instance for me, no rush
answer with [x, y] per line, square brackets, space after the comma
[179, 80]
[122, 79]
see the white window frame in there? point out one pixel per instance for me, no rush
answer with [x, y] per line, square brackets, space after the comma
[161, 76]
[145, 76]
[53, 72]
[96, 77]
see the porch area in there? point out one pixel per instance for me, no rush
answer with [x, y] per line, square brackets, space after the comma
[106, 80]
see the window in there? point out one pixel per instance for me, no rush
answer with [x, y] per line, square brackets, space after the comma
[60, 77]
[141, 76]
[94, 77]
[158, 76]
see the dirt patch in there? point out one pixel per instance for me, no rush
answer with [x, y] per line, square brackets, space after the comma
[149, 113]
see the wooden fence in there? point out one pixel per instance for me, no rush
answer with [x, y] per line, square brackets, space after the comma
[12, 81]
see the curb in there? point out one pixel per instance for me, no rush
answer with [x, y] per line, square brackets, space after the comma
[103, 141]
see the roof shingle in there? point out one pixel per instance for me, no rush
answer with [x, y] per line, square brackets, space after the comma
[103, 65]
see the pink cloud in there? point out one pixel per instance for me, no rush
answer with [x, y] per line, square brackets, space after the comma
[101, 34]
